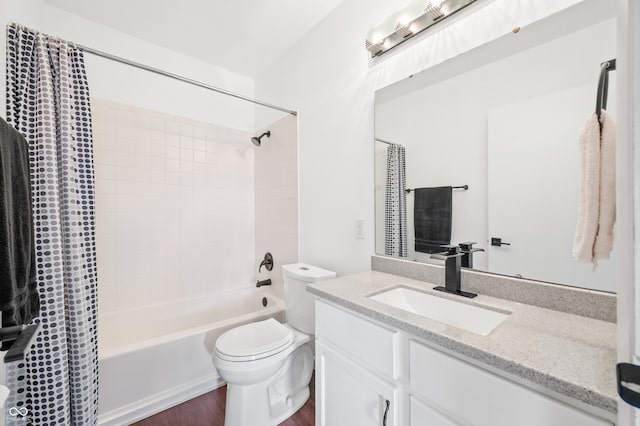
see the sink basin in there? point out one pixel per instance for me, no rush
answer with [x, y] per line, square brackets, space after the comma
[467, 317]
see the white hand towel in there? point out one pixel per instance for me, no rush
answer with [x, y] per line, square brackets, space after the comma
[588, 204]
[607, 217]
[597, 203]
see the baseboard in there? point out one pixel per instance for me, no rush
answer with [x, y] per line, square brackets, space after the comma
[159, 402]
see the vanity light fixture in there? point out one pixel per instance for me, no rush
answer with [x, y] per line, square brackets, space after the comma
[374, 48]
[414, 18]
[403, 30]
[434, 11]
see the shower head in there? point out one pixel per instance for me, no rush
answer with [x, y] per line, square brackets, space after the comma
[256, 139]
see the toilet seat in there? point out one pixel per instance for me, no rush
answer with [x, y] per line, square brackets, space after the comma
[254, 341]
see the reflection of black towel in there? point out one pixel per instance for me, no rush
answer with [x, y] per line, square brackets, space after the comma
[432, 218]
[19, 300]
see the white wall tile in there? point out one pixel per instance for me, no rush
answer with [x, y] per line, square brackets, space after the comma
[175, 220]
[276, 199]
[200, 156]
[186, 153]
[199, 144]
[108, 156]
[172, 126]
[172, 152]
[186, 141]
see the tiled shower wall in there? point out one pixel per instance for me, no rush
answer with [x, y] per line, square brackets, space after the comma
[174, 207]
[276, 184]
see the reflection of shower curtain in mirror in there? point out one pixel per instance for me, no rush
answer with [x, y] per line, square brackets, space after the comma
[395, 212]
[48, 103]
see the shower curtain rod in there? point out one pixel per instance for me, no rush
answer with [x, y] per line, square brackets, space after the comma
[170, 75]
[180, 78]
[383, 141]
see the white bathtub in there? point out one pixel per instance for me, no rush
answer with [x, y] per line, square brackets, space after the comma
[154, 358]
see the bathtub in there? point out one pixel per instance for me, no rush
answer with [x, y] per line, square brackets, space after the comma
[153, 358]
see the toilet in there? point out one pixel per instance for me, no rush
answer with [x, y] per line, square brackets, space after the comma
[268, 365]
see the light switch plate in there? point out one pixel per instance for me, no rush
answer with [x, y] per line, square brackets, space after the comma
[359, 228]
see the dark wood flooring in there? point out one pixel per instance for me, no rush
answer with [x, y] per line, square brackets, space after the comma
[208, 410]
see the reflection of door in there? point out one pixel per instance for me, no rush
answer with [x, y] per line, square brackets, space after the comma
[533, 184]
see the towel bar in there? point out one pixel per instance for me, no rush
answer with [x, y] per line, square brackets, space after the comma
[22, 337]
[465, 187]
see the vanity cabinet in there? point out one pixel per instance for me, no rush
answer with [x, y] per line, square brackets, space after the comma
[354, 370]
[472, 395]
[362, 363]
[350, 395]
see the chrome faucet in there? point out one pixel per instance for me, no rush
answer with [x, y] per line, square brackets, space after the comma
[452, 261]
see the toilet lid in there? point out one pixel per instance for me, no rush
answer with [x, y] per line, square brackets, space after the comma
[253, 339]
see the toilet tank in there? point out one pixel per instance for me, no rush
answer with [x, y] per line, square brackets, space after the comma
[300, 303]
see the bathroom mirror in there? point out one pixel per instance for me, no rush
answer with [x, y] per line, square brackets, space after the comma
[504, 120]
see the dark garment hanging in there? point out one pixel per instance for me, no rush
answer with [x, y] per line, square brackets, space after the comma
[19, 301]
[432, 210]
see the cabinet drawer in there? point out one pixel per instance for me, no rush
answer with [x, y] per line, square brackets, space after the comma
[368, 342]
[481, 398]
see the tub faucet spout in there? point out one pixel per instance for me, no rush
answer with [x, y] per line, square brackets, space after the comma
[263, 282]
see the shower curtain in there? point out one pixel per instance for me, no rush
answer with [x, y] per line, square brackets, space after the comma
[48, 102]
[395, 216]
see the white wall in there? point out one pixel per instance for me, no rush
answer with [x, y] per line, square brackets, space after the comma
[174, 207]
[121, 83]
[328, 79]
[276, 195]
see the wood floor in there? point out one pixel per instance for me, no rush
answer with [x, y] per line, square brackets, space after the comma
[208, 410]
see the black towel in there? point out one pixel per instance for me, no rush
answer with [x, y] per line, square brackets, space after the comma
[432, 218]
[19, 301]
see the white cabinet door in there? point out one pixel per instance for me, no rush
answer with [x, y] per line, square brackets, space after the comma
[422, 414]
[347, 395]
[480, 398]
[372, 344]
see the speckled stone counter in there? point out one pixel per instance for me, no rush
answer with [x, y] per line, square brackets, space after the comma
[566, 353]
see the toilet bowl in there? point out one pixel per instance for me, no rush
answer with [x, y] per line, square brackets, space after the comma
[268, 365]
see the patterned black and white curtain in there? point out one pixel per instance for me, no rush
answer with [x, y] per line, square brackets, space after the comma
[48, 102]
[395, 217]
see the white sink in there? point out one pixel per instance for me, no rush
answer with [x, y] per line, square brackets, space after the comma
[467, 317]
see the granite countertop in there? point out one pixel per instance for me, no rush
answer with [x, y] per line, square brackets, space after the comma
[569, 354]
